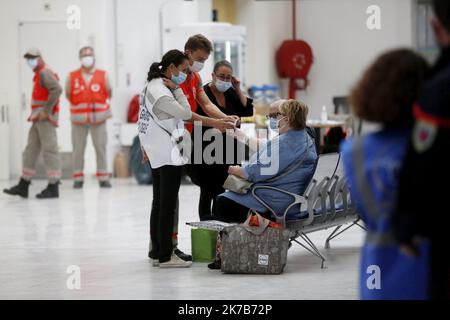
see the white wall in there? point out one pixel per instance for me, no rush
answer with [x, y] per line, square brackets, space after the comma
[268, 23]
[337, 32]
[136, 34]
[138, 39]
[95, 30]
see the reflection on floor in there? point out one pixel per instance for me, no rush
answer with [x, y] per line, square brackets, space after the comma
[105, 234]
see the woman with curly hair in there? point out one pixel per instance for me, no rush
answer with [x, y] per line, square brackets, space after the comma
[385, 95]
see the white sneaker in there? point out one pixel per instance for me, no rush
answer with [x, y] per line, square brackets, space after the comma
[175, 262]
[155, 263]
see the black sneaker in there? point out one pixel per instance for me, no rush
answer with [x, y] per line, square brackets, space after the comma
[182, 255]
[216, 265]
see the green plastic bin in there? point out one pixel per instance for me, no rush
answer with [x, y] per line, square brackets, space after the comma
[203, 244]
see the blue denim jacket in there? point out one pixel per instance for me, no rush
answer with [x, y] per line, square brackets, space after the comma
[275, 157]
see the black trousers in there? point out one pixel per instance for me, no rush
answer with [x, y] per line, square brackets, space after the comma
[232, 212]
[166, 184]
[208, 197]
[229, 211]
[210, 178]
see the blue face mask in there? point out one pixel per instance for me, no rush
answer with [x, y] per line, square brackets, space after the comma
[179, 79]
[222, 86]
[273, 124]
[32, 63]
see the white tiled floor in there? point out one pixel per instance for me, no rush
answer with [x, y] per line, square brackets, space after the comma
[105, 233]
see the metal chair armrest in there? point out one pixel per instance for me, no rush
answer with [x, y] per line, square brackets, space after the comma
[297, 200]
[315, 195]
[342, 189]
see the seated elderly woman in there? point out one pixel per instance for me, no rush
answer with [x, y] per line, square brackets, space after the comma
[291, 150]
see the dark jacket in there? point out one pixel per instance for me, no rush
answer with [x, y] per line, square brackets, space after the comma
[423, 208]
[427, 161]
[213, 175]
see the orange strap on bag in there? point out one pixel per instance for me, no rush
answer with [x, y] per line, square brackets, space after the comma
[255, 218]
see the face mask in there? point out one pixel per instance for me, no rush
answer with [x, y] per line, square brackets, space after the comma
[273, 124]
[87, 61]
[197, 66]
[32, 63]
[278, 123]
[222, 86]
[179, 79]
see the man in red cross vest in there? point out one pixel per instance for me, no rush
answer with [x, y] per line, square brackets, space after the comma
[88, 90]
[42, 134]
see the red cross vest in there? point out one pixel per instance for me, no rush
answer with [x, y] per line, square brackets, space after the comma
[39, 98]
[89, 101]
[190, 87]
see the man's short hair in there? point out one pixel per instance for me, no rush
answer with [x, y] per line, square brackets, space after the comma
[442, 11]
[85, 48]
[198, 42]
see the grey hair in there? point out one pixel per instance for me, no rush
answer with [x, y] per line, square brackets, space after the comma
[86, 48]
[277, 103]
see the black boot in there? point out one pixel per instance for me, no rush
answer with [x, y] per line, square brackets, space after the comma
[216, 265]
[105, 184]
[20, 189]
[78, 184]
[52, 191]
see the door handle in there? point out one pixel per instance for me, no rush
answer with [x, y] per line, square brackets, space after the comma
[24, 101]
[3, 113]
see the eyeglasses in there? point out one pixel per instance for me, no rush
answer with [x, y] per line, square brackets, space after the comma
[274, 115]
[224, 78]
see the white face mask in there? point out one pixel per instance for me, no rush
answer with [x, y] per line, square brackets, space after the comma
[222, 86]
[197, 66]
[88, 61]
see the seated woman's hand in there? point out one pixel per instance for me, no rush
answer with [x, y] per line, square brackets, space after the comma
[236, 171]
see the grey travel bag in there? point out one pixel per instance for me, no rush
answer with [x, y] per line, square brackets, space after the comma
[253, 249]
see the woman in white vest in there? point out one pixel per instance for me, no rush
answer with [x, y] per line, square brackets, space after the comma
[163, 110]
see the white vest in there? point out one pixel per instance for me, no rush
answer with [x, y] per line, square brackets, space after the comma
[161, 148]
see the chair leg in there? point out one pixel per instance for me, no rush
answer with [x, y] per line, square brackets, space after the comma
[327, 242]
[310, 247]
[334, 234]
[361, 226]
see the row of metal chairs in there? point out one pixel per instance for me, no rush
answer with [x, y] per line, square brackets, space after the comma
[326, 203]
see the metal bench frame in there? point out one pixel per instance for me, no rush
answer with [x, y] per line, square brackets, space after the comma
[323, 196]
